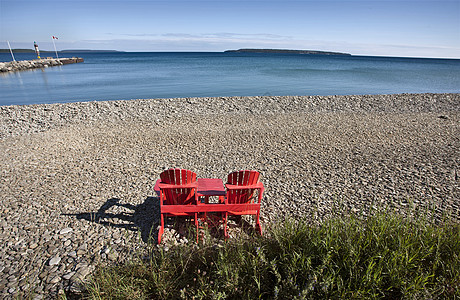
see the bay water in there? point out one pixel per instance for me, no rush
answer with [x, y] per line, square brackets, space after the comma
[145, 75]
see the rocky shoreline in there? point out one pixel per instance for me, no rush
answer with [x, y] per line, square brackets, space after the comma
[77, 179]
[14, 66]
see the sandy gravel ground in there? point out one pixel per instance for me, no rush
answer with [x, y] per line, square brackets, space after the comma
[77, 179]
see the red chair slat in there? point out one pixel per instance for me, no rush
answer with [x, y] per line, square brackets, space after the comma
[193, 177]
[177, 176]
[253, 178]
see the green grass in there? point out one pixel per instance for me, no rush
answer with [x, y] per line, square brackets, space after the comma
[385, 256]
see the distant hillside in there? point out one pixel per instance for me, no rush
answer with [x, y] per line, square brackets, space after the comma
[87, 51]
[19, 51]
[61, 51]
[285, 51]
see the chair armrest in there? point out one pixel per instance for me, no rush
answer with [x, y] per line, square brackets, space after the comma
[178, 186]
[258, 185]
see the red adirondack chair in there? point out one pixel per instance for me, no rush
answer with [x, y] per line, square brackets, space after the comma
[240, 199]
[177, 187]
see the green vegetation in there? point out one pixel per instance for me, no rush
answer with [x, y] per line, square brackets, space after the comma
[385, 256]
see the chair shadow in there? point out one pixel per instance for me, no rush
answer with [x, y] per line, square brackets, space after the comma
[143, 217]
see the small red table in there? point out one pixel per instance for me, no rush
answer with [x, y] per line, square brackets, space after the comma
[207, 187]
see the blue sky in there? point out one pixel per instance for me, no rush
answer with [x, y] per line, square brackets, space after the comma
[410, 28]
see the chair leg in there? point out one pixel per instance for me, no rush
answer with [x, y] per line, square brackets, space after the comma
[162, 227]
[258, 225]
[196, 226]
[225, 224]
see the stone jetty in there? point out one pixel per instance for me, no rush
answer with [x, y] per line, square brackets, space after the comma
[14, 66]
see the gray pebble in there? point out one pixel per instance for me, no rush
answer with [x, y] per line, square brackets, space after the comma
[54, 261]
[68, 275]
[65, 230]
[55, 279]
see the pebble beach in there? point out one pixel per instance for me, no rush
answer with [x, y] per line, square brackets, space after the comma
[77, 178]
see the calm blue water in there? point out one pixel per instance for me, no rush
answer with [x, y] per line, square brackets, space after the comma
[116, 76]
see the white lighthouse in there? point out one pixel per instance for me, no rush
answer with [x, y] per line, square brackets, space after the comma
[36, 49]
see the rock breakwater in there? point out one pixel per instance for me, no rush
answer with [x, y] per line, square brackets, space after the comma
[77, 179]
[22, 65]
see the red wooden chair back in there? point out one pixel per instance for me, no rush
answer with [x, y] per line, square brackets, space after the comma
[178, 196]
[242, 178]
